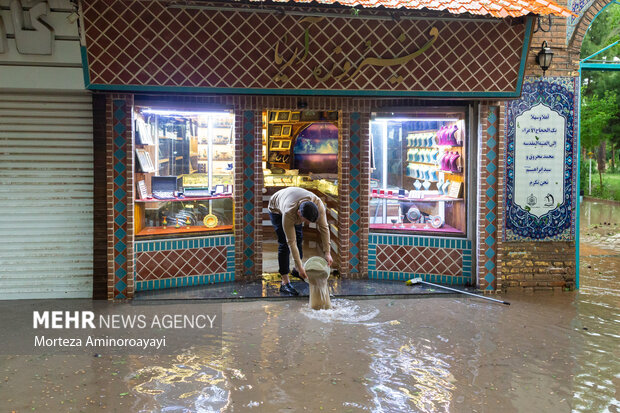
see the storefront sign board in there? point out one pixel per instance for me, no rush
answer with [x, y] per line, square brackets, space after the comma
[149, 46]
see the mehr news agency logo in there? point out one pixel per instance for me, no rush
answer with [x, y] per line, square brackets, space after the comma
[82, 320]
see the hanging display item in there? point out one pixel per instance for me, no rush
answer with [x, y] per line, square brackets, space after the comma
[413, 214]
[210, 221]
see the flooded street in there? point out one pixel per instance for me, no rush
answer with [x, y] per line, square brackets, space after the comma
[544, 353]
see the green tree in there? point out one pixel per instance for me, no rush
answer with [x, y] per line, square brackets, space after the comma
[596, 113]
[600, 93]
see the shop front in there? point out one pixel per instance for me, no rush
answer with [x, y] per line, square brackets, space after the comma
[394, 119]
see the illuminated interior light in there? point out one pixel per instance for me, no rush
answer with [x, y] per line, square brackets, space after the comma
[415, 119]
[171, 112]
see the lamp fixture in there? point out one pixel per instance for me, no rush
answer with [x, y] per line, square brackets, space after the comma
[544, 57]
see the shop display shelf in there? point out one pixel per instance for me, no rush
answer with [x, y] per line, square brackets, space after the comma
[171, 229]
[445, 229]
[423, 163]
[185, 198]
[434, 198]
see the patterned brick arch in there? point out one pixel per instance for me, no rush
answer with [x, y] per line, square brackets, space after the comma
[585, 19]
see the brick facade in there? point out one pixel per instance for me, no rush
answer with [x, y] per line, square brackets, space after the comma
[354, 174]
[497, 265]
[551, 265]
[538, 266]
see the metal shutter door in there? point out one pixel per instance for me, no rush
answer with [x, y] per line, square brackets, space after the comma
[46, 196]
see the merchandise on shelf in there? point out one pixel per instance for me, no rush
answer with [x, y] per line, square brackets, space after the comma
[418, 169]
[189, 189]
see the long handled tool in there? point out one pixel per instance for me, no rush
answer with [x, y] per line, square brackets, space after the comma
[420, 281]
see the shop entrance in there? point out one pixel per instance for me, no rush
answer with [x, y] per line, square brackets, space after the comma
[300, 149]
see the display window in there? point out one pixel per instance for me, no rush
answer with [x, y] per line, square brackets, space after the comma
[301, 149]
[418, 169]
[184, 170]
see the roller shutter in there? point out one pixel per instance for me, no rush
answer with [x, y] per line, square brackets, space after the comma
[46, 196]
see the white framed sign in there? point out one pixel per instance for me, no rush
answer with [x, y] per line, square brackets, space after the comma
[540, 135]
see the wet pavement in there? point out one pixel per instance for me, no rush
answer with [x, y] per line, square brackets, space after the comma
[545, 353]
[269, 288]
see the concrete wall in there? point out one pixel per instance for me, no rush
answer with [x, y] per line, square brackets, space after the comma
[60, 69]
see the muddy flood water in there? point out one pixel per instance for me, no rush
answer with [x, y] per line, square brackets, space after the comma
[554, 352]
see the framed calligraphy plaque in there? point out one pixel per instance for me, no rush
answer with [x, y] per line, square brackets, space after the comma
[540, 153]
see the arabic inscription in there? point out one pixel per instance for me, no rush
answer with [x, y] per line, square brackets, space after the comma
[346, 71]
[539, 160]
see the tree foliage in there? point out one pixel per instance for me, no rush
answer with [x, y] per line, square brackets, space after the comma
[596, 114]
[600, 93]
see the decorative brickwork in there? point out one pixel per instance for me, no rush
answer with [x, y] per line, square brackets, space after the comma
[115, 62]
[355, 196]
[247, 160]
[395, 257]
[120, 198]
[250, 201]
[578, 26]
[183, 262]
[488, 202]
[538, 266]
[364, 232]
[244, 52]
[344, 190]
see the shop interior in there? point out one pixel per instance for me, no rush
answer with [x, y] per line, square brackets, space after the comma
[300, 148]
[184, 173]
[418, 170]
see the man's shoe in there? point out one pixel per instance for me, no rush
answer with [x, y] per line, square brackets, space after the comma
[288, 288]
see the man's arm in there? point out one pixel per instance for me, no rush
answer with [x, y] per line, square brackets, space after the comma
[323, 228]
[291, 239]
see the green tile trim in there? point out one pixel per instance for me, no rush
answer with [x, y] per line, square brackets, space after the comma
[434, 278]
[185, 243]
[188, 281]
[418, 241]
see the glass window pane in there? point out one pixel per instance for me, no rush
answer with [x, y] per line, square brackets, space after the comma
[418, 169]
[184, 170]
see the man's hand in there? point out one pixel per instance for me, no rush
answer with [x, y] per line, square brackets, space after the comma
[302, 273]
[328, 258]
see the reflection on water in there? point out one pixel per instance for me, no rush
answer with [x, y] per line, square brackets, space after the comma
[597, 379]
[412, 377]
[600, 225]
[193, 382]
[544, 353]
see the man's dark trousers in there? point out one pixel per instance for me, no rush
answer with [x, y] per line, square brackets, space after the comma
[283, 250]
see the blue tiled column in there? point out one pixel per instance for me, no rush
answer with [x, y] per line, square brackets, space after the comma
[355, 164]
[249, 200]
[120, 199]
[490, 197]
